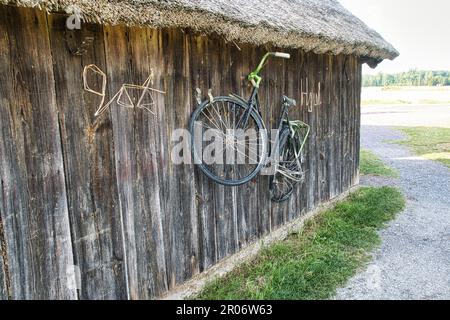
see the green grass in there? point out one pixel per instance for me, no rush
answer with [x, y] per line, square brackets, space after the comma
[431, 143]
[321, 257]
[370, 164]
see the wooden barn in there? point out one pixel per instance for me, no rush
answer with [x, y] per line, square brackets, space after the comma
[93, 207]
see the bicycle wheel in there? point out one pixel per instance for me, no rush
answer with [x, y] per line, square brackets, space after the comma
[228, 154]
[289, 167]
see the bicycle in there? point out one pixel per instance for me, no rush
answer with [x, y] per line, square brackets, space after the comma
[234, 125]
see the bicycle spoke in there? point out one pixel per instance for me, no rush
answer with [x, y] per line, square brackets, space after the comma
[211, 121]
[220, 116]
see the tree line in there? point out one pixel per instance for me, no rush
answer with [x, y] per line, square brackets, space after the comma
[410, 78]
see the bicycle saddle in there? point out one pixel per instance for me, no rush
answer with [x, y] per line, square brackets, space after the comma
[289, 101]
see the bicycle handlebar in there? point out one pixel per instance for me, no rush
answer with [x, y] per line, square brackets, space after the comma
[254, 76]
[282, 55]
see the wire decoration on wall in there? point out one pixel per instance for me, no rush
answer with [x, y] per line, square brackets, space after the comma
[309, 96]
[93, 68]
[123, 97]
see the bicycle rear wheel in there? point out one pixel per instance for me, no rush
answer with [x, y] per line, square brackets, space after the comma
[228, 154]
[289, 167]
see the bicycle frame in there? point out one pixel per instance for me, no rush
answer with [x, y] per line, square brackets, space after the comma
[255, 79]
[292, 139]
[253, 104]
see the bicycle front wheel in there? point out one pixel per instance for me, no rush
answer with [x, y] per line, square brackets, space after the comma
[225, 150]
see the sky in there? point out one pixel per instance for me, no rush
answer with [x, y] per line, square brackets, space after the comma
[419, 30]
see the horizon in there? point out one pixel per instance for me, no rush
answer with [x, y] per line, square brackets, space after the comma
[396, 73]
[417, 29]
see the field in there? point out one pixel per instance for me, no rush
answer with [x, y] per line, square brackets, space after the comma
[405, 95]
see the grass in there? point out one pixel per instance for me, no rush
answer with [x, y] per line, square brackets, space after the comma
[370, 164]
[314, 262]
[431, 143]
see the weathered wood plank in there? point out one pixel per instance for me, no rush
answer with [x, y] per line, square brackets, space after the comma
[352, 110]
[327, 101]
[181, 225]
[13, 184]
[274, 85]
[337, 123]
[290, 89]
[302, 202]
[230, 220]
[143, 225]
[324, 116]
[199, 64]
[4, 132]
[223, 196]
[357, 138]
[248, 215]
[149, 241]
[312, 70]
[308, 74]
[136, 165]
[357, 106]
[237, 84]
[273, 91]
[156, 53]
[89, 164]
[292, 83]
[344, 116]
[118, 65]
[34, 207]
[4, 272]
[258, 188]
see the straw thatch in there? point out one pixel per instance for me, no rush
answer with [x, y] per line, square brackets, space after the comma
[314, 25]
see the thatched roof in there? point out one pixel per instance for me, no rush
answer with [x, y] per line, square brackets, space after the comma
[314, 25]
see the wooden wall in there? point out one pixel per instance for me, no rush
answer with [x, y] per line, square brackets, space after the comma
[104, 195]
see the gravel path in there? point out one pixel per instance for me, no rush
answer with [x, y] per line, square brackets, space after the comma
[412, 116]
[413, 261]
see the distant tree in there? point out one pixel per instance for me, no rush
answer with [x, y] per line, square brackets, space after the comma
[409, 78]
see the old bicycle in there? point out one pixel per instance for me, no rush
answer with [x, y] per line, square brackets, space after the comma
[230, 144]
